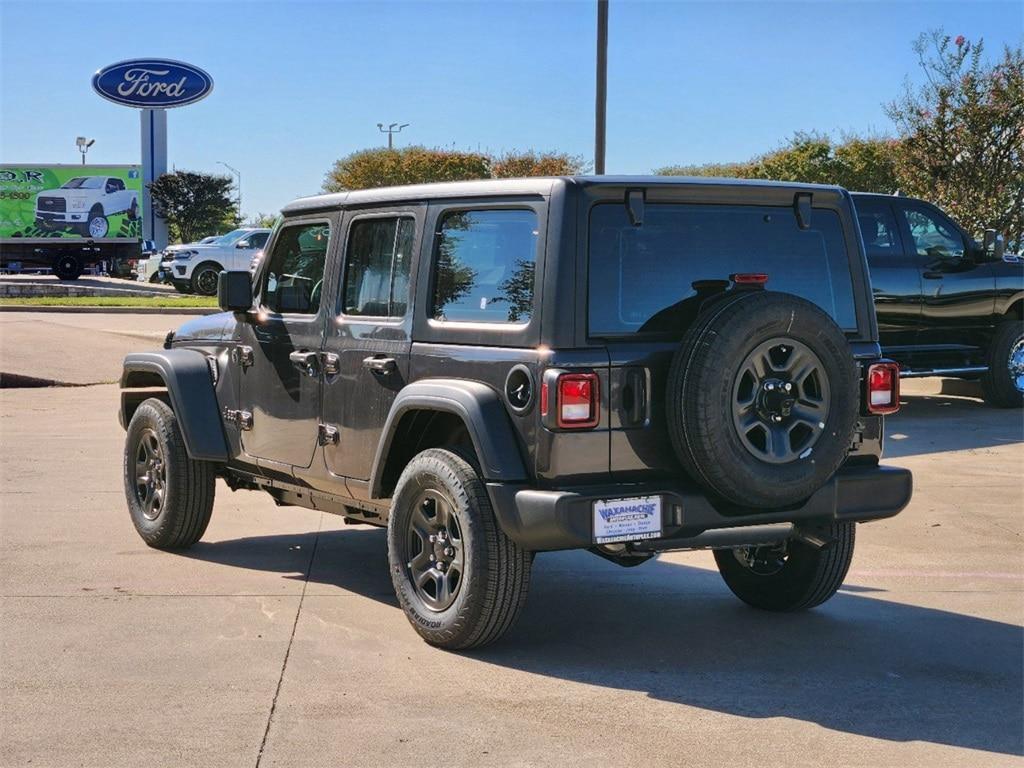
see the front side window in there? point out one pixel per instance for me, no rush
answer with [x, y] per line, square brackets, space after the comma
[293, 280]
[484, 266]
[377, 264]
[933, 234]
[878, 228]
[258, 240]
[655, 277]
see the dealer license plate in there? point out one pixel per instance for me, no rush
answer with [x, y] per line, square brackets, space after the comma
[627, 519]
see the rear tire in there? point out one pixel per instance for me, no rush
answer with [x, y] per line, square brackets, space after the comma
[798, 580]
[440, 495]
[67, 267]
[169, 494]
[1003, 383]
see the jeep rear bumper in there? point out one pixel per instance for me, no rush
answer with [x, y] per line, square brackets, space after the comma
[563, 519]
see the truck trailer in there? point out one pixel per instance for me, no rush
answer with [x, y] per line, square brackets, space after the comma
[69, 217]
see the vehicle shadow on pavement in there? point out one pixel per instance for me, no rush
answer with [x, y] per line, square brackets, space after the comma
[937, 423]
[859, 664]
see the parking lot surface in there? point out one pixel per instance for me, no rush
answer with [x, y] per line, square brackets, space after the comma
[277, 641]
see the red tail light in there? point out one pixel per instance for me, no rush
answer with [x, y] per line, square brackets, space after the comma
[749, 278]
[575, 401]
[883, 388]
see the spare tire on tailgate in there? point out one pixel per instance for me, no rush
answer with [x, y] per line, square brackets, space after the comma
[763, 395]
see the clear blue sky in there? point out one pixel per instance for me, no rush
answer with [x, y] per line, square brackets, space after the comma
[298, 85]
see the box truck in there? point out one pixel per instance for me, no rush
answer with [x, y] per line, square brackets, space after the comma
[69, 217]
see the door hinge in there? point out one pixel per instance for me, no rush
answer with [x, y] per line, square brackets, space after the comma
[241, 419]
[327, 435]
[242, 356]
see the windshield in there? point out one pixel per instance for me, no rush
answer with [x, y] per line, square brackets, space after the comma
[84, 182]
[231, 236]
[653, 278]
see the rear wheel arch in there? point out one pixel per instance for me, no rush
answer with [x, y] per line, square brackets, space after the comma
[464, 416]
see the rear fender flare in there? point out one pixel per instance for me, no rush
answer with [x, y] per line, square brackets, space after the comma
[186, 375]
[481, 409]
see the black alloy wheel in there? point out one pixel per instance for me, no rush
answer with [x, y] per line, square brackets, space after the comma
[150, 475]
[204, 281]
[780, 400]
[434, 553]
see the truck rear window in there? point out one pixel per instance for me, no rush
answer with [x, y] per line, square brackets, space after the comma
[653, 278]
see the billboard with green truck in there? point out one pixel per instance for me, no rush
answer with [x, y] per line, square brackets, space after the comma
[68, 216]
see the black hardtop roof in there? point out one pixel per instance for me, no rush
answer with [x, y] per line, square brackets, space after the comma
[541, 185]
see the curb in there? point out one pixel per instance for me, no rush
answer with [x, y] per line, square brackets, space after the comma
[110, 310]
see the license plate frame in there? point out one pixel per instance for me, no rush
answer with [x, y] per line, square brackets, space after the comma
[635, 518]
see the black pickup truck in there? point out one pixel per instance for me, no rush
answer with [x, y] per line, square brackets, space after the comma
[946, 304]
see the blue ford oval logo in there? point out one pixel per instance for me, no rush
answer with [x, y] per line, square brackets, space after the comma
[152, 83]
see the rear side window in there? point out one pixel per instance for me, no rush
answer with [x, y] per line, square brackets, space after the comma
[293, 280]
[878, 228]
[377, 267]
[653, 278]
[484, 266]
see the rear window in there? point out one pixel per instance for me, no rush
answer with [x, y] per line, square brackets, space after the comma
[653, 278]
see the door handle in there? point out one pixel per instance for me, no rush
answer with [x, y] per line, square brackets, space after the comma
[929, 275]
[380, 365]
[305, 362]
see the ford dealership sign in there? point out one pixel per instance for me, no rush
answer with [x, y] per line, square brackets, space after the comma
[152, 83]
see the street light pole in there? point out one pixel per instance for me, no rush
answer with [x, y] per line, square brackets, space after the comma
[601, 102]
[83, 145]
[239, 175]
[391, 130]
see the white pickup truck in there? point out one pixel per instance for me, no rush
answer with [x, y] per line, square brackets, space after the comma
[194, 268]
[85, 202]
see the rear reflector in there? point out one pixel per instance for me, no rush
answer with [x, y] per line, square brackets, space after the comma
[883, 388]
[576, 400]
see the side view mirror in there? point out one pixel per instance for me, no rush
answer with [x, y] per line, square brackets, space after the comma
[994, 244]
[243, 244]
[234, 291]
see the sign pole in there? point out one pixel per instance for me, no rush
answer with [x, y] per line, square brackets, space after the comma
[154, 165]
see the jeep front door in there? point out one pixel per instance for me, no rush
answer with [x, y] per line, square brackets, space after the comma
[368, 336]
[279, 347]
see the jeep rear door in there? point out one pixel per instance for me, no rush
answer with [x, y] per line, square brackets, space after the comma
[368, 334]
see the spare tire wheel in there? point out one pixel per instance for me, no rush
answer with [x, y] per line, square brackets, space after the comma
[762, 399]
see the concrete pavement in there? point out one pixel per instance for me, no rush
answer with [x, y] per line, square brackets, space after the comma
[277, 640]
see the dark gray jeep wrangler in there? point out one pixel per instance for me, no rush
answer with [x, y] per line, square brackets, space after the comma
[492, 369]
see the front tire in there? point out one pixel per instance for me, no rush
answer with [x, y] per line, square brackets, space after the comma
[204, 279]
[795, 577]
[97, 225]
[1003, 382]
[459, 579]
[169, 494]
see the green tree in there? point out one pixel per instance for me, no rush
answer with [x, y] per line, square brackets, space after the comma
[962, 133]
[370, 168]
[864, 164]
[194, 205]
[532, 163]
[264, 220]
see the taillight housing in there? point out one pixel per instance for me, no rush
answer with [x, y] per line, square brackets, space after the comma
[574, 397]
[882, 388]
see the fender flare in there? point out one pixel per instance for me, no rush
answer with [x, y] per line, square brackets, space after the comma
[481, 409]
[186, 375]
